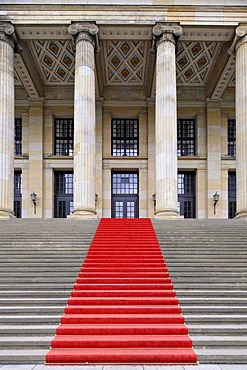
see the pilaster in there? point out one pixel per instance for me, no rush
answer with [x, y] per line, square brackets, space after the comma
[151, 157]
[36, 117]
[166, 36]
[214, 156]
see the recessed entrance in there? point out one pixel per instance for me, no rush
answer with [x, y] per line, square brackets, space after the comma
[64, 189]
[125, 199]
[187, 194]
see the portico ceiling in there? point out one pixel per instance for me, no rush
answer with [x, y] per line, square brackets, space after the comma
[125, 57]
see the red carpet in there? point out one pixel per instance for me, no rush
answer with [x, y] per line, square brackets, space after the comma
[123, 308]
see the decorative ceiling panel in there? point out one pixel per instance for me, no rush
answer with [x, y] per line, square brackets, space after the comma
[194, 62]
[55, 61]
[125, 62]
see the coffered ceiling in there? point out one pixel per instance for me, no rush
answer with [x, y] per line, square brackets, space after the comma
[125, 58]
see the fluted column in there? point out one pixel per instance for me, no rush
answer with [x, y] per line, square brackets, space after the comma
[8, 45]
[166, 120]
[241, 121]
[239, 46]
[84, 35]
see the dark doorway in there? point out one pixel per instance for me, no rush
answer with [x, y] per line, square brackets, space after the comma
[187, 194]
[125, 199]
[232, 203]
[64, 190]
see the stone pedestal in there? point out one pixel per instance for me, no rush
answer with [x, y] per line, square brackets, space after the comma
[8, 44]
[84, 119]
[166, 120]
[241, 121]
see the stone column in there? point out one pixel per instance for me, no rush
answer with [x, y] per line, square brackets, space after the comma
[85, 38]
[241, 120]
[8, 45]
[166, 120]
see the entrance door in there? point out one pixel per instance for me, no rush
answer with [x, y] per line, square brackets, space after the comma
[232, 204]
[63, 200]
[186, 194]
[125, 201]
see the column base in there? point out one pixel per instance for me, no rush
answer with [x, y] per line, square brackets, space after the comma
[6, 214]
[168, 214]
[83, 214]
[242, 214]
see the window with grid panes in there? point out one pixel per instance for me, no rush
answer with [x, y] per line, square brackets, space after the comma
[64, 136]
[186, 137]
[125, 137]
[17, 193]
[64, 183]
[18, 136]
[232, 137]
[124, 183]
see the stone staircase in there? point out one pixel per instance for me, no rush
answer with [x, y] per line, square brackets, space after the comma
[39, 262]
[207, 261]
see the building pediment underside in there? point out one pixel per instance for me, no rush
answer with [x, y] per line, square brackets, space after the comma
[125, 60]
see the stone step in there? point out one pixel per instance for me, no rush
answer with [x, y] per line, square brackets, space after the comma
[28, 330]
[216, 340]
[37, 342]
[30, 319]
[21, 356]
[220, 319]
[31, 310]
[222, 355]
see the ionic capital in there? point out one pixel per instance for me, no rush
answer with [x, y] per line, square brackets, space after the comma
[166, 32]
[7, 34]
[86, 31]
[239, 39]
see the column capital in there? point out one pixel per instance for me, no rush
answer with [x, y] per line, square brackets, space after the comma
[87, 31]
[7, 34]
[239, 38]
[166, 32]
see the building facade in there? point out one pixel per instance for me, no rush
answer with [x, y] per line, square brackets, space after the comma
[123, 109]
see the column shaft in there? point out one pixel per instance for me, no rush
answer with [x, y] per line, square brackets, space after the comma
[84, 121]
[6, 121]
[166, 123]
[241, 126]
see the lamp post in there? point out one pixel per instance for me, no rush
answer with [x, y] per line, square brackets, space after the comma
[154, 201]
[33, 199]
[216, 197]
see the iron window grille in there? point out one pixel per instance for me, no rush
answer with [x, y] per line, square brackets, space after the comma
[231, 138]
[186, 137]
[125, 133]
[18, 136]
[17, 193]
[64, 137]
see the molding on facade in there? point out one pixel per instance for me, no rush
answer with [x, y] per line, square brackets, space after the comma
[225, 78]
[25, 77]
[43, 33]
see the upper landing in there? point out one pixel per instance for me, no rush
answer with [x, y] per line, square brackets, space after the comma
[130, 2]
